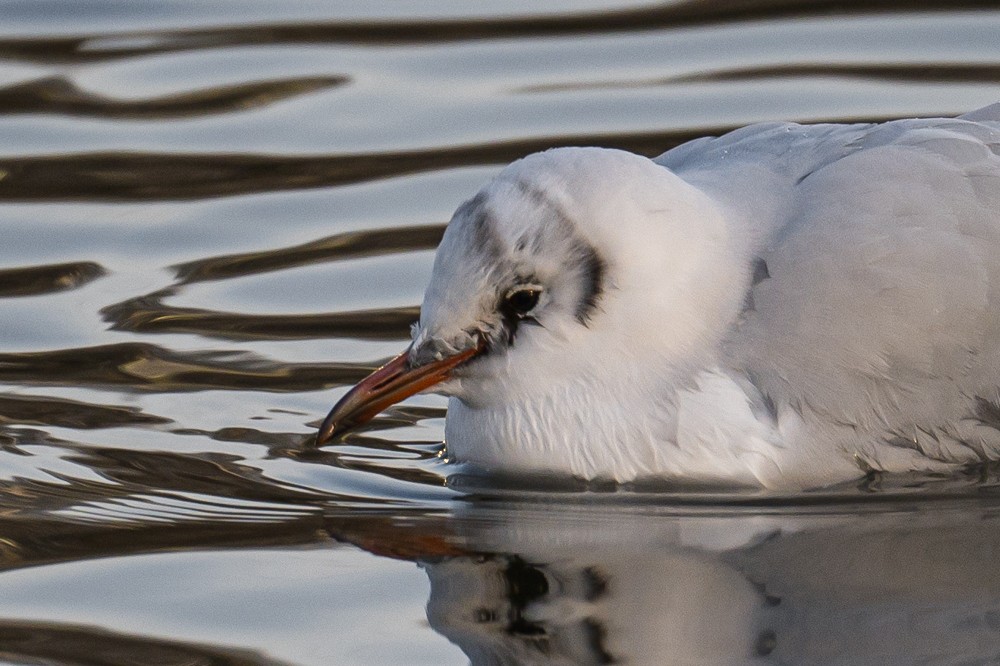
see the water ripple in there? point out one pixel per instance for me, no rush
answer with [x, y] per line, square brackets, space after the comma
[170, 176]
[60, 644]
[350, 245]
[147, 367]
[41, 410]
[56, 95]
[46, 279]
[908, 72]
[147, 314]
[679, 14]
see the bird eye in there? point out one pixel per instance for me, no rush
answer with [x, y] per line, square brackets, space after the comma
[522, 301]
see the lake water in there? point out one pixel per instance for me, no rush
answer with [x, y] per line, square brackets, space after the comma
[216, 216]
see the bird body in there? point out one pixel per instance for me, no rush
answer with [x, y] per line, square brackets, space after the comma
[785, 306]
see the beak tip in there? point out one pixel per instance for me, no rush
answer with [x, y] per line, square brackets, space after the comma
[329, 431]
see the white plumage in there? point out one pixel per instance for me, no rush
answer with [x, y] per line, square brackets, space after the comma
[784, 306]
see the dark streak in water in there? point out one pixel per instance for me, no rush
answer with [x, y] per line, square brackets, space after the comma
[61, 540]
[350, 245]
[148, 315]
[276, 440]
[41, 410]
[119, 176]
[55, 644]
[57, 95]
[910, 72]
[916, 72]
[35, 280]
[163, 477]
[95, 47]
[146, 367]
[49, 522]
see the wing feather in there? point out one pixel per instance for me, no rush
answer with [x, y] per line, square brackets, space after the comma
[880, 315]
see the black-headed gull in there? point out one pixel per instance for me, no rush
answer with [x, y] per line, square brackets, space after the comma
[784, 306]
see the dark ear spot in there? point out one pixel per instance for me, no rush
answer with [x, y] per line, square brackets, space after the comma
[592, 275]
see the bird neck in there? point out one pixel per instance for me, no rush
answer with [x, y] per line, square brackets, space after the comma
[699, 428]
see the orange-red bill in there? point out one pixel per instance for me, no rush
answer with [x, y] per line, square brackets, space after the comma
[393, 382]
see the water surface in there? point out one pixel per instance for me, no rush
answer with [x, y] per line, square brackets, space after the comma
[217, 216]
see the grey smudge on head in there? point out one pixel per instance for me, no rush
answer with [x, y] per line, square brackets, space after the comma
[509, 262]
[482, 232]
[584, 257]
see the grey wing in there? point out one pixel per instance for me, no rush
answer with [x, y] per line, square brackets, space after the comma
[989, 113]
[878, 314]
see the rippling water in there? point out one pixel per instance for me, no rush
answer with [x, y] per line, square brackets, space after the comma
[217, 215]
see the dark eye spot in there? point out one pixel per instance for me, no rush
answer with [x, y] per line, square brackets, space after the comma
[520, 302]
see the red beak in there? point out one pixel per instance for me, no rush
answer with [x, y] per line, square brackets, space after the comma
[394, 381]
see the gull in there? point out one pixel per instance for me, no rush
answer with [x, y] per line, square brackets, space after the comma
[783, 306]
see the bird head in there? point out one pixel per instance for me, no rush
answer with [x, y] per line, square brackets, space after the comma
[569, 262]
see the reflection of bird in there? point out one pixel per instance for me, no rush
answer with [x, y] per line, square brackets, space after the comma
[784, 305]
[560, 583]
[600, 606]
